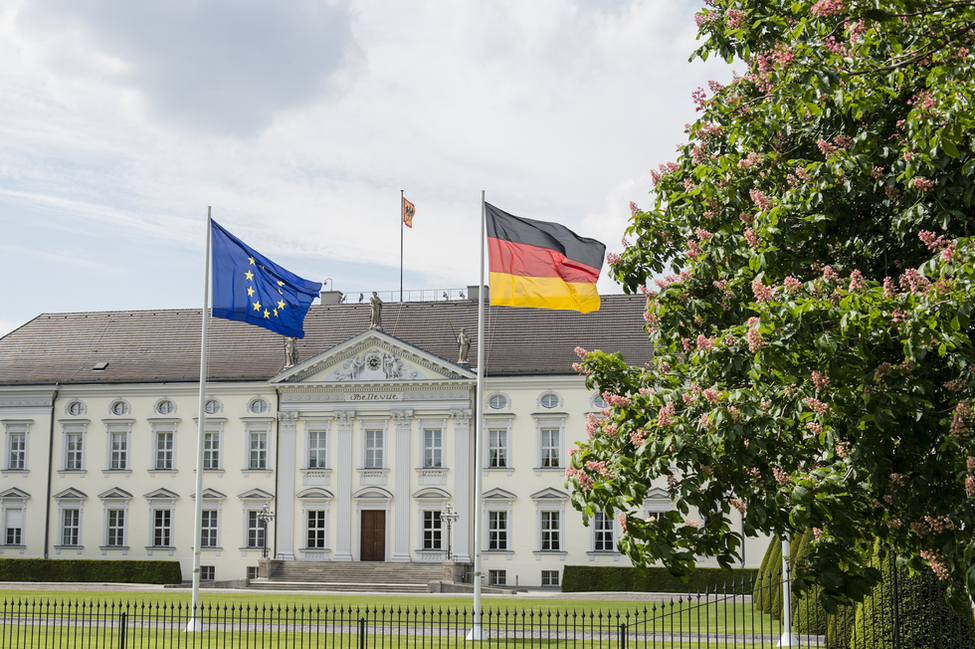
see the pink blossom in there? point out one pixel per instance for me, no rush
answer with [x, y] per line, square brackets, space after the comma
[856, 281]
[746, 218]
[781, 476]
[693, 250]
[572, 451]
[610, 430]
[889, 290]
[712, 395]
[830, 274]
[592, 424]
[581, 369]
[936, 565]
[820, 380]
[651, 318]
[970, 485]
[582, 353]
[704, 343]
[817, 532]
[825, 8]
[826, 147]
[816, 405]
[736, 18]
[612, 258]
[646, 391]
[923, 185]
[843, 449]
[702, 234]
[760, 199]
[699, 97]
[750, 160]
[634, 210]
[734, 413]
[755, 341]
[598, 467]
[714, 86]
[751, 237]
[792, 284]
[704, 421]
[738, 504]
[762, 292]
[616, 400]
[638, 436]
[688, 399]
[666, 414]
[914, 281]
[876, 172]
[814, 428]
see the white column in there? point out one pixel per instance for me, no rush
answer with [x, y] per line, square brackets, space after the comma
[461, 472]
[343, 486]
[284, 517]
[401, 493]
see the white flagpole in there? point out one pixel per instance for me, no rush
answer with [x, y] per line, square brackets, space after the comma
[476, 632]
[194, 623]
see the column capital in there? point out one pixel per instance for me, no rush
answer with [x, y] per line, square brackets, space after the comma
[288, 417]
[345, 417]
[462, 417]
[402, 417]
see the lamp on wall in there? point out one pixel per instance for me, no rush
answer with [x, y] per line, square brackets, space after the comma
[265, 516]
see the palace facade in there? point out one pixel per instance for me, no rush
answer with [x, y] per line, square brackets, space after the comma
[357, 447]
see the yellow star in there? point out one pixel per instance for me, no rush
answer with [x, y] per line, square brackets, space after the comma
[257, 306]
[275, 313]
[250, 291]
[267, 314]
[281, 304]
[280, 283]
[280, 292]
[249, 275]
[251, 260]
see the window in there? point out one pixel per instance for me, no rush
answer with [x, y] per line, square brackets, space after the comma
[208, 529]
[317, 449]
[497, 577]
[374, 449]
[165, 441]
[258, 450]
[549, 400]
[253, 572]
[119, 453]
[211, 407]
[498, 448]
[316, 529]
[431, 530]
[551, 532]
[17, 451]
[498, 401]
[255, 529]
[13, 526]
[211, 451]
[115, 533]
[76, 408]
[497, 530]
[432, 448]
[162, 528]
[550, 578]
[550, 447]
[599, 402]
[74, 451]
[119, 408]
[70, 526]
[208, 573]
[258, 406]
[602, 526]
[165, 407]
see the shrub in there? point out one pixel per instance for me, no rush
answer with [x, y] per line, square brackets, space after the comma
[124, 572]
[577, 579]
[768, 581]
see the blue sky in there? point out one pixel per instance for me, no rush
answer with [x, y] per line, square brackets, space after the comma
[301, 122]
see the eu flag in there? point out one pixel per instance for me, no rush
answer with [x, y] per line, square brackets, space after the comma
[249, 287]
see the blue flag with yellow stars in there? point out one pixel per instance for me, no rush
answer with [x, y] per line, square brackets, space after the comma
[249, 287]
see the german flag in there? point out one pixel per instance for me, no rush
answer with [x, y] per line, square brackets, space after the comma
[408, 212]
[540, 264]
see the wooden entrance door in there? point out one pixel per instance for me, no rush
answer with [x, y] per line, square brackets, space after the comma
[373, 543]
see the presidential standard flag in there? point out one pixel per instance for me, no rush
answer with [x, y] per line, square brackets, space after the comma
[408, 211]
[540, 264]
[249, 287]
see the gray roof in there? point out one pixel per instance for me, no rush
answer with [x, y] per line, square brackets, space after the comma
[164, 345]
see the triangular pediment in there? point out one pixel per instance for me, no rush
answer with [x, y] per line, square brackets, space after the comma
[210, 494]
[372, 357]
[255, 494]
[550, 493]
[70, 494]
[161, 494]
[14, 494]
[499, 494]
[115, 494]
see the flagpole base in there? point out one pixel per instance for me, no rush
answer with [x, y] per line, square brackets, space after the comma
[193, 626]
[788, 640]
[476, 633]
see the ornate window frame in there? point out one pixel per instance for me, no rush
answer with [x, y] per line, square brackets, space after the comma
[498, 500]
[113, 500]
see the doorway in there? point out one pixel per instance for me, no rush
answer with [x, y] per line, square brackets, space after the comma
[373, 535]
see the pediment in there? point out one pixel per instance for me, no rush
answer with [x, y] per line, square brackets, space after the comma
[255, 494]
[210, 494]
[499, 494]
[315, 493]
[14, 494]
[550, 494]
[431, 493]
[115, 494]
[70, 494]
[371, 357]
[161, 494]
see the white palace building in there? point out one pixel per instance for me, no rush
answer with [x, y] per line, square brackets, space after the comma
[357, 448]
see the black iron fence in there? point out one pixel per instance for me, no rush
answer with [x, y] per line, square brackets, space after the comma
[731, 617]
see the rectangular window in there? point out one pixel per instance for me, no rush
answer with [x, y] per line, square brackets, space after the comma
[316, 529]
[14, 532]
[497, 577]
[317, 448]
[551, 532]
[497, 530]
[211, 450]
[498, 448]
[119, 458]
[116, 528]
[162, 528]
[374, 449]
[550, 447]
[18, 452]
[70, 526]
[258, 451]
[164, 451]
[431, 530]
[550, 578]
[432, 448]
[255, 530]
[253, 572]
[208, 529]
[602, 526]
[74, 451]
[208, 573]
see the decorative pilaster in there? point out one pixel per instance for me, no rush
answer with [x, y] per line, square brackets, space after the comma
[463, 463]
[285, 514]
[343, 486]
[401, 494]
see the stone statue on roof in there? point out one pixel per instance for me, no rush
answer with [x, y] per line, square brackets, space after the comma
[375, 312]
[290, 351]
[463, 347]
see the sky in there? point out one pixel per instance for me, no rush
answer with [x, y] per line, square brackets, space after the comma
[301, 122]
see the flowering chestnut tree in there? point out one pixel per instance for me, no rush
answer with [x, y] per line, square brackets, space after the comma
[814, 360]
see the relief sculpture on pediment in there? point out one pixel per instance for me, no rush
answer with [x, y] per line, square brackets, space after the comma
[374, 366]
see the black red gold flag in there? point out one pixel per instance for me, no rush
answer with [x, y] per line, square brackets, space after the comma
[408, 211]
[540, 264]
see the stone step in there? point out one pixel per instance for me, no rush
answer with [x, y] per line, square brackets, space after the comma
[352, 576]
[264, 584]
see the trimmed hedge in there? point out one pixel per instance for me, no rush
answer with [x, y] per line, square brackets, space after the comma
[580, 579]
[767, 587]
[120, 572]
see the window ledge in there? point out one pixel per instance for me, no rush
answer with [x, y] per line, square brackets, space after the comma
[549, 553]
[170, 472]
[160, 548]
[375, 477]
[123, 549]
[539, 470]
[77, 548]
[9, 472]
[508, 554]
[121, 472]
[592, 554]
[63, 472]
[499, 469]
[246, 472]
